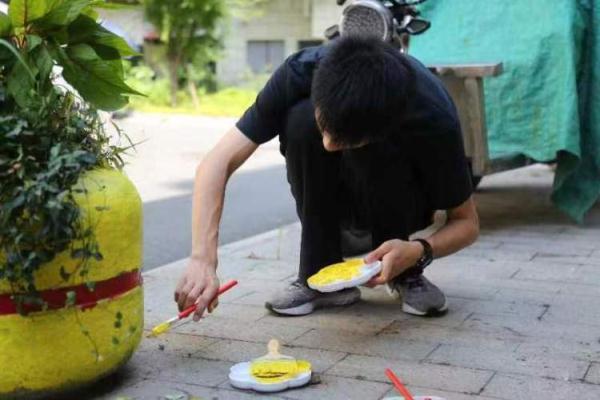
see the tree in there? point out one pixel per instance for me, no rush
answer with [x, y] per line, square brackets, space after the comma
[190, 31]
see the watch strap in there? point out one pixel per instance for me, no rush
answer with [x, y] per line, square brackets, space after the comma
[427, 256]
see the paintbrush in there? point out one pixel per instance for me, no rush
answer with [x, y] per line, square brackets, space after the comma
[167, 325]
[398, 385]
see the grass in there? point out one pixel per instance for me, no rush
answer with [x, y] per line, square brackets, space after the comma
[229, 102]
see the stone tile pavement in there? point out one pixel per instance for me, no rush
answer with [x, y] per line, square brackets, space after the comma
[524, 319]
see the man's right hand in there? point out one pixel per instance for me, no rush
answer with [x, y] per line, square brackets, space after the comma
[198, 285]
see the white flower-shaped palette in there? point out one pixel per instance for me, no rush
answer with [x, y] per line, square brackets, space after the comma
[273, 372]
[240, 376]
[343, 275]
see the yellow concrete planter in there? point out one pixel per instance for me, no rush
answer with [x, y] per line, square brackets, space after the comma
[70, 346]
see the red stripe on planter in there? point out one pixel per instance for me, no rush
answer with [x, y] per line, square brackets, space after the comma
[84, 297]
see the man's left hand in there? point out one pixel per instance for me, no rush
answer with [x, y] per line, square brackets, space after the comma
[396, 256]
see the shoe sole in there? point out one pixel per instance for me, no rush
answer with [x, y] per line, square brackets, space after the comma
[309, 307]
[431, 312]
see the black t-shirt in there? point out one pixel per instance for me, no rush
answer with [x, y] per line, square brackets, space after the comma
[430, 133]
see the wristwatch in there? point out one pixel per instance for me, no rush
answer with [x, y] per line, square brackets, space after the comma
[427, 256]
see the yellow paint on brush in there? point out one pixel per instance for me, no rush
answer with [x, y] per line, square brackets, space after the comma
[160, 329]
[276, 371]
[343, 271]
[53, 350]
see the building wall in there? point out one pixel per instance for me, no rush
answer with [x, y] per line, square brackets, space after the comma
[324, 14]
[288, 20]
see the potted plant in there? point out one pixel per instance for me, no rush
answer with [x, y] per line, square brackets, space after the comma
[71, 305]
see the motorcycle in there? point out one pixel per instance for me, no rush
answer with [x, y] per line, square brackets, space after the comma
[393, 21]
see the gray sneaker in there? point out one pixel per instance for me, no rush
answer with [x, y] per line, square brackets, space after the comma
[299, 299]
[419, 296]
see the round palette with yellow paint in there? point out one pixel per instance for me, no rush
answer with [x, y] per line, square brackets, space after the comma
[347, 274]
[273, 376]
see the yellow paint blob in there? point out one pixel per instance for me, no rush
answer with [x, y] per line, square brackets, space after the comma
[276, 371]
[339, 272]
[160, 329]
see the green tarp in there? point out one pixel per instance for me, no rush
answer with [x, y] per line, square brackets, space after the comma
[546, 105]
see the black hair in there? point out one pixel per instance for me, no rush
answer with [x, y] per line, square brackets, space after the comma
[360, 88]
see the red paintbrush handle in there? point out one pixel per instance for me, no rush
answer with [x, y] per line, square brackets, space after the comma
[186, 313]
[399, 386]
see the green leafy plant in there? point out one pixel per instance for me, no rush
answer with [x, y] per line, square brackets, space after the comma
[49, 136]
[192, 33]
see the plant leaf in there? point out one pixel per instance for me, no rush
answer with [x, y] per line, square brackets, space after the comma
[43, 62]
[20, 84]
[5, 25]
[86, 30]
[90, 12]
[62, 14]
[98, 81]
[33, 41]
[112, 6]
[22, 12]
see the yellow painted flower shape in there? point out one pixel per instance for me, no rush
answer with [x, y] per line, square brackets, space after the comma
[343, 275]
[270, 371]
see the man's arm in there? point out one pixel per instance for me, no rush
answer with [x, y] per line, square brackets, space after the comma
[199, 282]
[461, 230]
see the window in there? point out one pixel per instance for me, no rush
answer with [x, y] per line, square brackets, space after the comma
[302, 44]
[265, 55]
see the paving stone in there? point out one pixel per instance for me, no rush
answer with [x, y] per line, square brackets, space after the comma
[516, 387]
[510, 361]
[466, 290]
[574, 309]
[578, 350]
[509, 327]
[549, 271]
[254, 297]
[257, 269]
[191, 370]
[240, 312]
[457, 267]
[182, 345]
[497, 307]
[417, 332]
[593, 375]
[258, 331]
[566, 259]
[451, 378]
[165, 390]
[338, 388]
[579, 289]
[368, 344]
[496, 255]
[238, 351]
[338, 319]
[424, 391]
[105, 389]
[549, 248]
[518, 296]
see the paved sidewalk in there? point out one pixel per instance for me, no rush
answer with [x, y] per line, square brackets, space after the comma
[524, 319]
